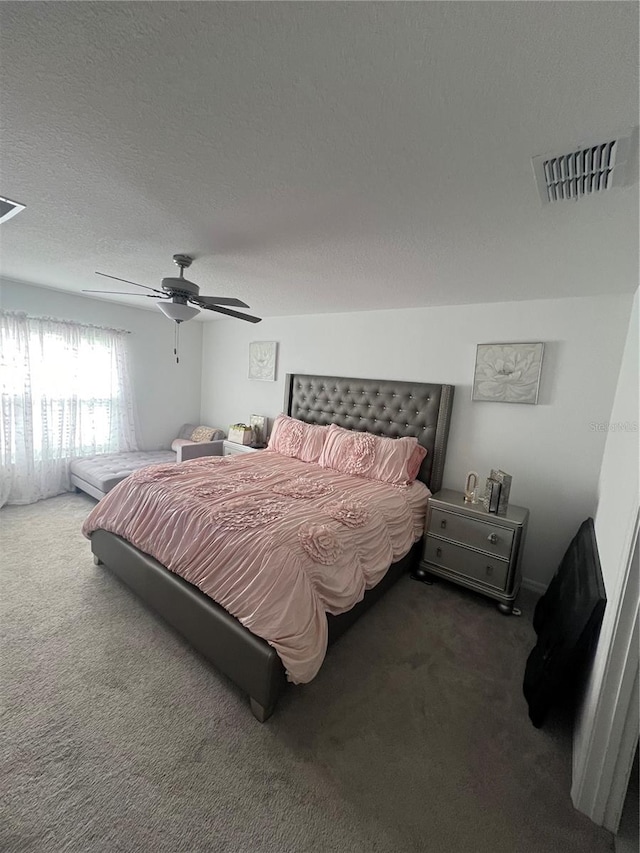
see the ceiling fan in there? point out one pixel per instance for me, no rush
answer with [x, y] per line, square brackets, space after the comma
[176, 294]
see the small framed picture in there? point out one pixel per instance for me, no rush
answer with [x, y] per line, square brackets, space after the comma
[262, 360]
[507, 373]
[505, 489]
[258, 424]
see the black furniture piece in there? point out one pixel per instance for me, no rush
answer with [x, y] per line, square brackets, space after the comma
[567, 620]
[382, 407]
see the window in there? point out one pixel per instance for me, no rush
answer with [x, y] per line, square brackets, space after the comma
[65, 393]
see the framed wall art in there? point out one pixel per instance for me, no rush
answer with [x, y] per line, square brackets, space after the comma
[507, 373]
[262, 360]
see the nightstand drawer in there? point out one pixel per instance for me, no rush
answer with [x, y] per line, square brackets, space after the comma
[231, 448]
[474, 534]
[480, 567]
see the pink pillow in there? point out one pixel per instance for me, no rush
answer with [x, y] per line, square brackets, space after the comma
[294, 438]
[390, 460]
[417, 458]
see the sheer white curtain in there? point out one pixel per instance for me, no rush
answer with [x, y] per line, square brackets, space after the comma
[66, 392]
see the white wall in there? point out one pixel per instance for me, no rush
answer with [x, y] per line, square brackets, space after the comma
[551, 449]
[615, 524]
[618, 485]
[166, 394]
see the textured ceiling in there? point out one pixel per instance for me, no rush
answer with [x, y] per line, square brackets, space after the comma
[315, 156]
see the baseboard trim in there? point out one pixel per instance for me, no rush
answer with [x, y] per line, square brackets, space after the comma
[534, 586]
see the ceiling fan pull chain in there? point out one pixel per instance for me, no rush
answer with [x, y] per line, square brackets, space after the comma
[176, 343]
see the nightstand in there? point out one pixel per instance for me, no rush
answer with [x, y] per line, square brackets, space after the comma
[230, 448]
[474, 548]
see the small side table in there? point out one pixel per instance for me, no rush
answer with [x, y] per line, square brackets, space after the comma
[474, 548]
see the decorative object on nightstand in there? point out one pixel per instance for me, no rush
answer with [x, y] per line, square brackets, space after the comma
[491, 497]
[468, 545]
[507, 373]
[262, 360]
[259, 428]
[504, 480]
[471, 488]
[240, 434]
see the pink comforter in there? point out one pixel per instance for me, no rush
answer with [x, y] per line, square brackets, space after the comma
[277, 542]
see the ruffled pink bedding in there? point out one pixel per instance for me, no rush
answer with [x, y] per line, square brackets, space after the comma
[275, 541]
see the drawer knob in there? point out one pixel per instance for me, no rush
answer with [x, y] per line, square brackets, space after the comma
[493, 538]
[489, 570]
[438, 552]
[443, 523]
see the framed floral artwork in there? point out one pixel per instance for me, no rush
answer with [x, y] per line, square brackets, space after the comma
[507, 373]
[262, 360]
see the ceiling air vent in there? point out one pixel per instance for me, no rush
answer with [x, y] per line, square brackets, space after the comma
[9, 208]
[588, 170]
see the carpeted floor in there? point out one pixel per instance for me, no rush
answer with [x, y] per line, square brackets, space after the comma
[117, 737]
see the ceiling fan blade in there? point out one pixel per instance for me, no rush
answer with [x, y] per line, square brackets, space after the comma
[124, 293]
[219, 300]
[236, 314]
[126, 281]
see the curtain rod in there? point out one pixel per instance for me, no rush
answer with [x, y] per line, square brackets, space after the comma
[65, 322]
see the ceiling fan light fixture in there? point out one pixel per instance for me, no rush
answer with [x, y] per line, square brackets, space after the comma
[178, 311]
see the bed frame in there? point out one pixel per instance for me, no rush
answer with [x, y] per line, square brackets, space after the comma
[381, 407]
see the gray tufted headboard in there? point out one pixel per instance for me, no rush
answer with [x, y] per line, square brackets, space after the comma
[378, 406]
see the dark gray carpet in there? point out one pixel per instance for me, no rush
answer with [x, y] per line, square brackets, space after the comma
[117, 737]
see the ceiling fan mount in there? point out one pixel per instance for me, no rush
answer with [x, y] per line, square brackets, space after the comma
[182, 261]
[180, 286]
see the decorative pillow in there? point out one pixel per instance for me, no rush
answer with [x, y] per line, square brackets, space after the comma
[390, 460]
[203, 433]
[417, 458]
[294, 438]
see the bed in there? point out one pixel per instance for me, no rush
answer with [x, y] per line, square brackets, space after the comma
[380, 407]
